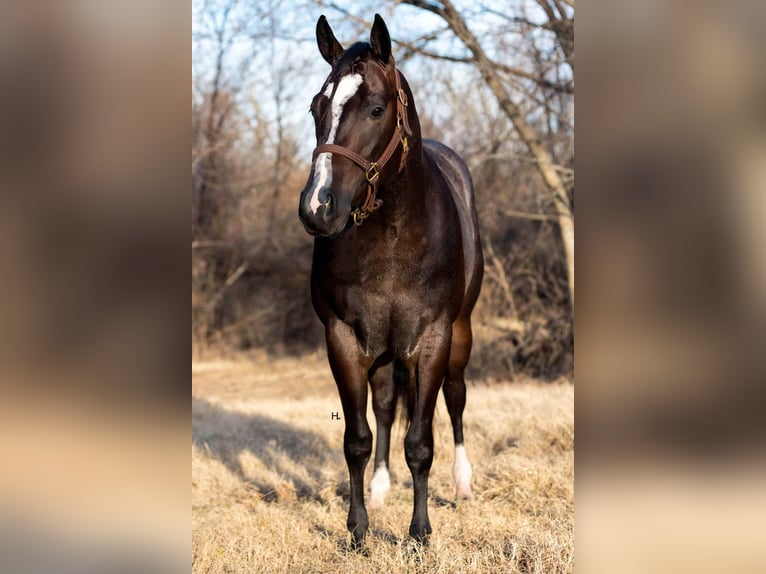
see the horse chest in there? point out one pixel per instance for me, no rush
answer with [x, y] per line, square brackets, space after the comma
[385, 321]
[388, 297]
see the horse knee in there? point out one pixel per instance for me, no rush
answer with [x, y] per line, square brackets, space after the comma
[358, 447]
[419, 452]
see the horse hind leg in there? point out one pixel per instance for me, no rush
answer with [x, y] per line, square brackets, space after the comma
[454, 395]
[384, 407]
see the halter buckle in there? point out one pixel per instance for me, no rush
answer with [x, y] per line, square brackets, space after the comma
[405, 144]
[402, 97]
[372, 174]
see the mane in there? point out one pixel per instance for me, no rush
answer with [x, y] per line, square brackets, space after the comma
[355, 53]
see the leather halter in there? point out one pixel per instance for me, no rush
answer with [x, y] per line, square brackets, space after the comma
[372, 169]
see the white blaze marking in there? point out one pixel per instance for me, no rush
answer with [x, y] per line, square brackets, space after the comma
[379, 486]
[346, 90]
[462, 473]
[328, 90]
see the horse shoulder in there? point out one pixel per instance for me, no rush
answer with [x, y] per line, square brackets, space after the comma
[456, 174]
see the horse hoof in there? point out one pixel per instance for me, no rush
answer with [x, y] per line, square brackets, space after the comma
[358, 547]
[420, 534]
[376, 502]
[464, 495]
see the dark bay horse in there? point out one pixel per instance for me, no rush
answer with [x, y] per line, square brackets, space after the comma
[397, 266]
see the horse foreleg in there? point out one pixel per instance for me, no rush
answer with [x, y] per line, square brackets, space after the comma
[384, 407]
[419, 442]
[349, 367]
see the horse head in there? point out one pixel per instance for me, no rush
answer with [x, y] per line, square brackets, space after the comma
[361, 122]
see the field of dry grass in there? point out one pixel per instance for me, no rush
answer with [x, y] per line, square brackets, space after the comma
[270, 485]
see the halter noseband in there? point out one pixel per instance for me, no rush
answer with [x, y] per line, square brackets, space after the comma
[372, 169]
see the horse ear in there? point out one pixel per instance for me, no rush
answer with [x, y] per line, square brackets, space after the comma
[329, 47]
[380, 40]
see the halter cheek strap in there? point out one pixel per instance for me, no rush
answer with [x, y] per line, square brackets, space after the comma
[372, 169]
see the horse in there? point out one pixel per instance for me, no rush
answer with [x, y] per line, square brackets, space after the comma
[396, 271]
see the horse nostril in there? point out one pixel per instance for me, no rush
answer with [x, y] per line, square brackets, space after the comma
[329, 203]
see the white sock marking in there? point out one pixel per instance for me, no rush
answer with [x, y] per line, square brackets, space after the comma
[347, 87]
[379, 486]
[462, 472]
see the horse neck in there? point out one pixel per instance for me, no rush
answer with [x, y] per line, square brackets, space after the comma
[404, 197]
[405, 194]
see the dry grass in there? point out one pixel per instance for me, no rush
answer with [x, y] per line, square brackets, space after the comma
[270, 486]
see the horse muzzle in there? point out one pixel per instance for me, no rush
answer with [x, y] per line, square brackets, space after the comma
[320, 213]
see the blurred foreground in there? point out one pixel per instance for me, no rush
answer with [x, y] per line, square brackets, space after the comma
[671, 322]
[94, 255]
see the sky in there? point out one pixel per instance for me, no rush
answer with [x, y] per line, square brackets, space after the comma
[285, 39]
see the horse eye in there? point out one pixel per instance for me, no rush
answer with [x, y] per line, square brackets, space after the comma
[377, 112]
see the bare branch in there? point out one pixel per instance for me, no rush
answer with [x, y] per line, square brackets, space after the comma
[429, 6]
[563, 27]
[230, 280]
[532, 216]
[559, 7]
[205, 244]
[564, 171]
[539, 80]
[497, 272]
[547, 9]
[525, 130]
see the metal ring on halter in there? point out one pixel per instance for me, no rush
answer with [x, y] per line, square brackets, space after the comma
[375, 175]
[359, 217]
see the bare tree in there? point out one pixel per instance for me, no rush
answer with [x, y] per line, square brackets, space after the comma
[550, 172]
[242, 154]
[253, 68]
